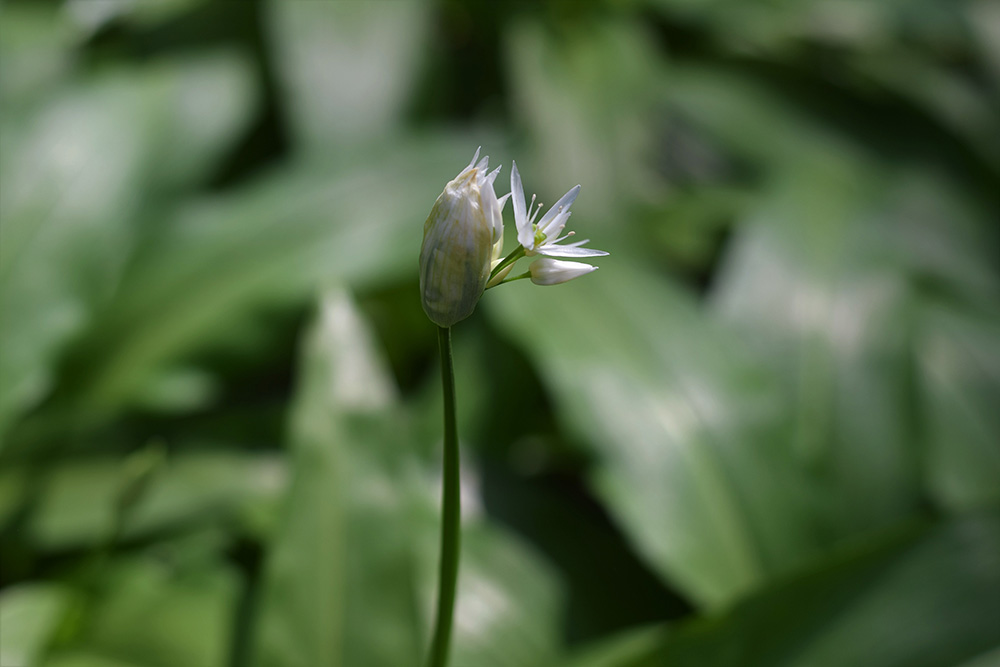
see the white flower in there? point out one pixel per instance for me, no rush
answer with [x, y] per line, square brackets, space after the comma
[462, 235]
[546, 271]
[542, 238]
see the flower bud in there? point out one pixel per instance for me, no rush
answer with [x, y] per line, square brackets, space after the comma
[459, 237]
[547, 271]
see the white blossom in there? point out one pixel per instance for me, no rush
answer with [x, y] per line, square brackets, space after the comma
[542, 238]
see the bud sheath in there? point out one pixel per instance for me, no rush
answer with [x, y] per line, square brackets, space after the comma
[459, 236]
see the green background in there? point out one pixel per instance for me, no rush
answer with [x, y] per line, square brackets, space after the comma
[765, 433]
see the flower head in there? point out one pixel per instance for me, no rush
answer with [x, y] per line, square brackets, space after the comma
[461, 236]
[547, 271]
[542, 238]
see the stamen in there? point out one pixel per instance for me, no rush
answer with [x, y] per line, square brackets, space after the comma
[532, 216]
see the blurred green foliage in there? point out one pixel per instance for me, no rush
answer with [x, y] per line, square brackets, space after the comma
[767, 433]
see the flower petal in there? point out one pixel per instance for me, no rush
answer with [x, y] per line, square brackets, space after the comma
[491, 209]
[553, 250]
[474, 158]
[546, 271]
[555, 226]
[560, 207]
[524, 234]
[492, 176]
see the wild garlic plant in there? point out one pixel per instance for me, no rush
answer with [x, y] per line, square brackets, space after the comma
[460, 258]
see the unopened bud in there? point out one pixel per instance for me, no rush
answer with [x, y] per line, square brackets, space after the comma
[459, 238]
[548, 271]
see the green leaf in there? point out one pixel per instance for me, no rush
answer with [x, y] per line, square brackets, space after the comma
[962, 105]
[751, 117]
[347, 68]
[627, 649]
[915, 597]
[29, 615]
[222, 259]
[786, 32]
[207, 101]
[36, 54]
[586, 98]
[153, 613]
[925, 601]
[958, 366]
[508, 606]
[836, 279]
[988, 659]
[65, 224]
[943, 233]
[351, 578]
[14, 487]
[812, 286]
[97, 15]
[86, 659]
[73, 176]
[77, 500]
[685, 430]
[339, 579]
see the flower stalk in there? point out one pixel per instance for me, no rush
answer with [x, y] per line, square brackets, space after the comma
[515, 255]
[451, 536]
[459, 260]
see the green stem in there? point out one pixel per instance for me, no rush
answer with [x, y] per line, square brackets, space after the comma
[526, 274]
[451, 537]
[515, 255]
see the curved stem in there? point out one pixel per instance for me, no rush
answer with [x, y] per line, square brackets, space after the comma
[526, 274]
[451, 537]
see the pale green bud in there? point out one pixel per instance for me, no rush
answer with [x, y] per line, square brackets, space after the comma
[460, 235]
